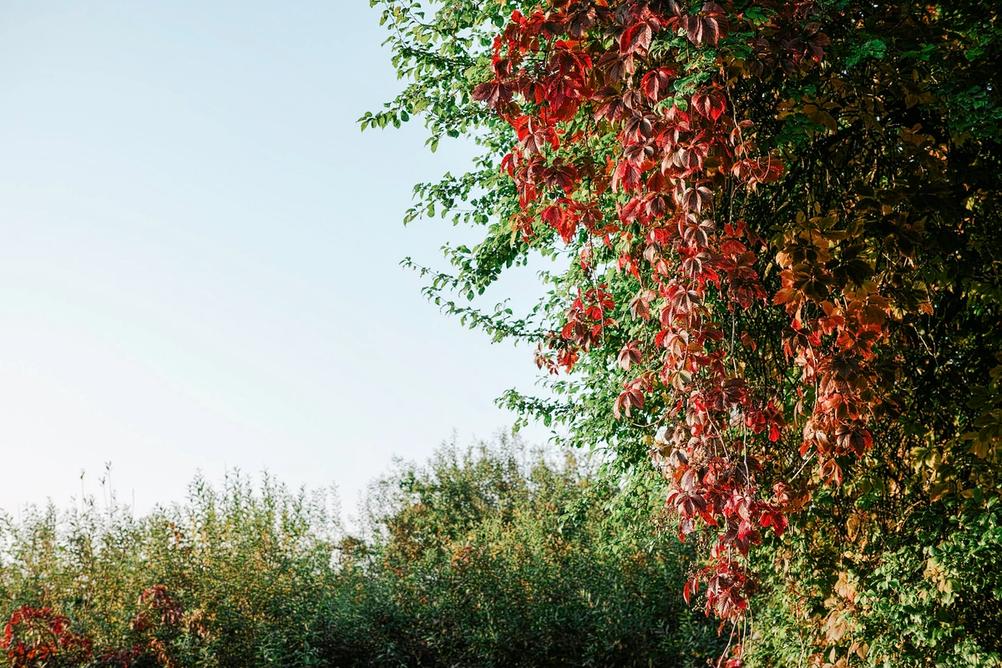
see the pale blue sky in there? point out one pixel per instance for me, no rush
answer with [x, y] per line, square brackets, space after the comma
[199, 254]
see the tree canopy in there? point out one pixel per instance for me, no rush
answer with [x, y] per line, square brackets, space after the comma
[772, 241]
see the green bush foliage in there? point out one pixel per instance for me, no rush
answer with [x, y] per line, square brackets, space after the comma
[486, 556]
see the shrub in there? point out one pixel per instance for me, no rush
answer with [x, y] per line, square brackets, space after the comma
[484, 557]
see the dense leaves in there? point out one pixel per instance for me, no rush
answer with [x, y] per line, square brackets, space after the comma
[775, 268]
[485, 556]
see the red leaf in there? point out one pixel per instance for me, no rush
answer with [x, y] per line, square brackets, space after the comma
[636, 39]
[629, 355]
[710, 103]
[657, 83]
[492, 93]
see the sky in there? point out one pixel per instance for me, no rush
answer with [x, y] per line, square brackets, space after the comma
[199, 255]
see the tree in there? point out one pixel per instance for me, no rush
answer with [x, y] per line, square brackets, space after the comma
[773, 232]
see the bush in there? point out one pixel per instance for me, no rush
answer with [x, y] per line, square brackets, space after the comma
[484, 557]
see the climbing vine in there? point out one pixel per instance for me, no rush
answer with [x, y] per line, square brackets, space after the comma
[773, 227]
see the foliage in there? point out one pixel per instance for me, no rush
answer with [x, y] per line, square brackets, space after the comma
[774, 272]
[933, 599]
[484, 557]
[39, 636]
[507, 561]
[212, 582]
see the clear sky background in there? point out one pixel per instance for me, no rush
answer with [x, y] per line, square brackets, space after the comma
[199, 254]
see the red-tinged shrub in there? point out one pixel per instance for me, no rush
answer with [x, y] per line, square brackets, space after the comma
[40, 637]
